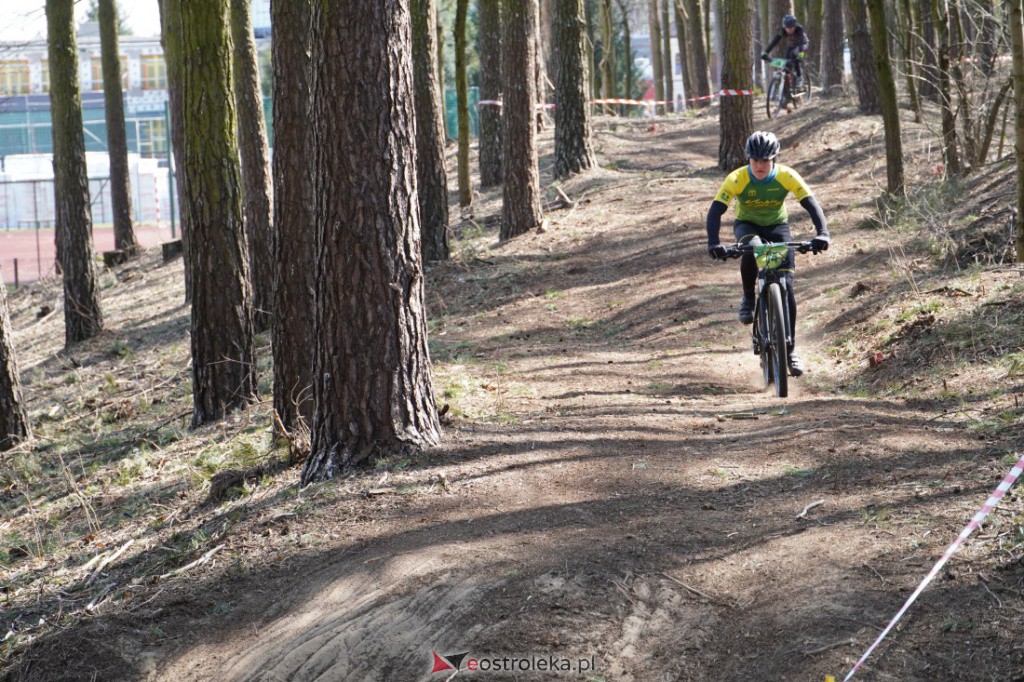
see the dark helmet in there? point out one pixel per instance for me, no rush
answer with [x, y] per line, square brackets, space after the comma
[788, 21]
[762, 145]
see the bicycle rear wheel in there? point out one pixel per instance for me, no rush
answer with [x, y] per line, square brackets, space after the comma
[777, 336]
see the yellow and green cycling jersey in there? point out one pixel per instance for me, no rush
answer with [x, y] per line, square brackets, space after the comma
[762, 202]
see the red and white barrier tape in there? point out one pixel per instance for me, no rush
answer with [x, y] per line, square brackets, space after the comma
[989, 505]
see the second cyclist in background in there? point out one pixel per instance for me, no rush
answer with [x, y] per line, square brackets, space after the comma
[796, 46]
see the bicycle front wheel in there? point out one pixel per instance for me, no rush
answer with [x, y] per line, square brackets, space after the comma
[777, 336]
[773, 103]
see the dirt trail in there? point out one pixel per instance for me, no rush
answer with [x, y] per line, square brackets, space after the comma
[605, 503]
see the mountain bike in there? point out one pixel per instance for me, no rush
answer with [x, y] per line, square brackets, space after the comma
[770, 335]
[781, 90]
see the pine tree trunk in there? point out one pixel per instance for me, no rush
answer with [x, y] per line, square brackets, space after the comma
[294, 248]
[82, 316]
[1015, 27]
[521, 199]
[655, 44]
[832, 66]
[489, 49]
[607, 64]
[737, 117]
[684, 51]
[372, 382]
[908, 27]
[930, 51]
[668, 64]
[441, 77]
[223, 364]
[170, 39]
[777, 10]
[573, 150]
[890, 106]
[814, 28]
[763, 9]
[756, 49]
[462, 106]
[430, 169]
[950, 148]
[862, 57]
[117, 141]
[14, 425]
[256, 176]
[701, 73]
[540, 74]
[627, 47]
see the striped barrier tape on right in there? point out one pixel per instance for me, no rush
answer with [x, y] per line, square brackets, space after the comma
[989, 505]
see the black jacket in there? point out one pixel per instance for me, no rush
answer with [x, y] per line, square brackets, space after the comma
[798, 42]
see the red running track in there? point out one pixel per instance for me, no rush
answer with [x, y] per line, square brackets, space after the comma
[21, 244]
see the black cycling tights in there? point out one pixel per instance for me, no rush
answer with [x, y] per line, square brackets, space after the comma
[748, 271]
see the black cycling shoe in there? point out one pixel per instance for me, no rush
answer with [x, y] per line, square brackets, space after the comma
[746, 313]
[796, 365]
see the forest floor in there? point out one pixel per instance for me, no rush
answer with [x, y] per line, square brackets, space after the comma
[614, 487]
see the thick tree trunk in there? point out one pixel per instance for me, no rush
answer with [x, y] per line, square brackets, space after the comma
[256, 176]
[737, 118]
[170, 39]
[668, 64]
[573, 149]
[462, 106]
[930, 52]
[430, 169]
[223, 364]
[14, 426]
[701, 72]
[832, 66]
[82, 316]
[862, 57]
[521, 199]
[372, 382]
[1015, 27]
[814, 25]
[117, 141]
[654, 21]
[950, 147]
[890, 107]
[489, 49]
[294, 252]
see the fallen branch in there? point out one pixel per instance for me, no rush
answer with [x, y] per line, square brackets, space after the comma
[699, 593]
[198, 562]
[828, 647]
[107, 561]
[812, 505]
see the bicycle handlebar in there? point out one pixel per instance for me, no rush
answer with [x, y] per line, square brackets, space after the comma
[739, 249]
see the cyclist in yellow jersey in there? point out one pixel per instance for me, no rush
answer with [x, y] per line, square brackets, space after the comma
[760, 190]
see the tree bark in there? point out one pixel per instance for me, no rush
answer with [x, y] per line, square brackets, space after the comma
[862, 57]
[14, 425]
[684, 51]
[950, 147]
[1015, 27]
[294, 252]
[737, 117]
[832, 66]
[440, 76]
[757, 21]
[490, 90]
[431, 176]
[814, 27]
[890, 106]
[83, 318]
[668, 65]
[701, 72]
[627, 47]
[462, 106]
[655, 44]
[607, 64]
[117, 141]
[372, 381]
[908, 27]
[777, 10]
[929, 57]
[256, 175]
[170, 39]
[223, 364]
[521, 199]
[573, 149]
